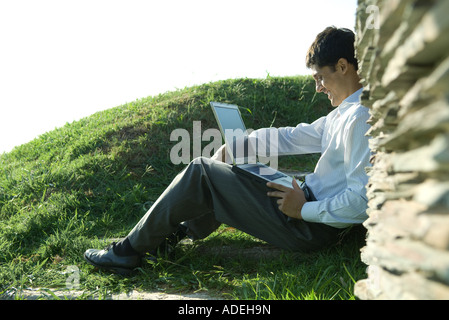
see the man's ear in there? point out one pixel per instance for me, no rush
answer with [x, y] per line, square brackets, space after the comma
[342, 65]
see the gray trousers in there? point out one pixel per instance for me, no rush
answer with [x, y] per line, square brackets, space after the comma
[207, 193]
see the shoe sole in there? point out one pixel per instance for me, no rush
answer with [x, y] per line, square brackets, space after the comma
[118, 270]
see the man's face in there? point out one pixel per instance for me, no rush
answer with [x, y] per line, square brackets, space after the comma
[329, 81]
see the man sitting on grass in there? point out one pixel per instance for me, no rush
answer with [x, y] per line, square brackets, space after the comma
[208, 193]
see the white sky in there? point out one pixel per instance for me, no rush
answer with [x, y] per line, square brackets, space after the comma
[62, 60]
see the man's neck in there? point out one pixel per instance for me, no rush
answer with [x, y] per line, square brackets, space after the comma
[353, 87]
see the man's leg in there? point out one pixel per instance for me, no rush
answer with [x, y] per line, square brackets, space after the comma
[201, 197]
[208, 193]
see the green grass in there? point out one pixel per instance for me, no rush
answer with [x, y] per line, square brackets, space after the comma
[78, 186]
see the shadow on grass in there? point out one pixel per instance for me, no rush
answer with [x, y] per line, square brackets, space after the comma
[246, 268]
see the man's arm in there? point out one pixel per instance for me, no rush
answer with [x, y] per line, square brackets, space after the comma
[302, 139]
[349, 206]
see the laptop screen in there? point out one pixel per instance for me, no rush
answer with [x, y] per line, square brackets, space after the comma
[233, 130]
[240, 146]
[230, 120]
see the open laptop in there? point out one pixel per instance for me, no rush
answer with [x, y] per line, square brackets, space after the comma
[244, 159]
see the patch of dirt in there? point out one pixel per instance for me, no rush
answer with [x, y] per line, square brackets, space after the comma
[249, 253]
[47, 294]
[229, 251]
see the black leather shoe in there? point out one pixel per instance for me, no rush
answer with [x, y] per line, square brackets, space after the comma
[107, 259]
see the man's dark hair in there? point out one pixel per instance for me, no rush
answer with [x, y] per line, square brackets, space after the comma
[329, 46]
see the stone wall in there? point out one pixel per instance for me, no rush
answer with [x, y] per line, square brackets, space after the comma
[403, 50]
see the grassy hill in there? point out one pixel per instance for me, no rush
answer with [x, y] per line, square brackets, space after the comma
[78, 186]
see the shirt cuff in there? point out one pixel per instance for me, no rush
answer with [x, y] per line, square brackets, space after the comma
[309, 211]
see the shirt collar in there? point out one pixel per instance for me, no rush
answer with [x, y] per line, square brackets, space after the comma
[352, 99]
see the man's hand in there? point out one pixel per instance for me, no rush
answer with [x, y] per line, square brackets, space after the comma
[222, 155]
[291, 200]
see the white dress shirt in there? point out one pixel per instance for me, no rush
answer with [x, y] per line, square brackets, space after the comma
[339, 179]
